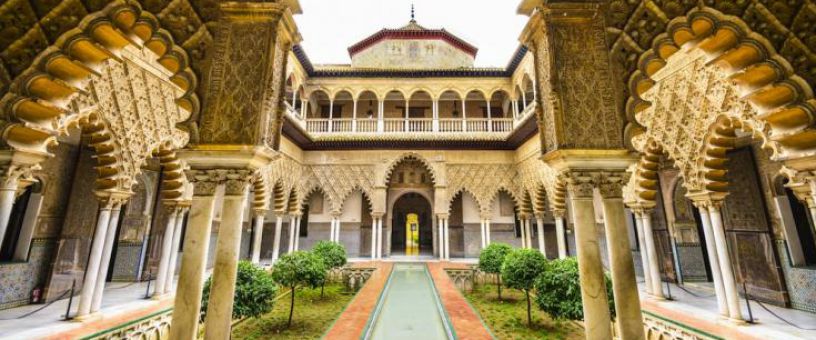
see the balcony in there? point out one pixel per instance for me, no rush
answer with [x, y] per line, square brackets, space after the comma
[485, 127]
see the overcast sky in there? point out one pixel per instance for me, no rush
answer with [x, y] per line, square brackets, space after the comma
[329, 27]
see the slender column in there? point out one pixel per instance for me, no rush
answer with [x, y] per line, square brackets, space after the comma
[187, 305]
[654, 267]
[441, 228]
[487, 230]
[560, 235]
[407, 109]
[292, 221]
[337, 229]
[435, 115]
[380, 237]
[8, 193]
[624, 282]
[644, 255]
[713, 258]
[110, 239]
[353, 117]
[529, 233]
[540, 229]
[166, 248]
[373, 237]
[171, 267]
[524, 99]
[729, 282]
[593, 288]
[297, 231]
[331, 115]
[523, 231]
[257, 236]
[447, 238]
[276, 241]
[484, 236]
[225, 271]
[380, 121]
[464, 116]
[95, 258]
[489, 117]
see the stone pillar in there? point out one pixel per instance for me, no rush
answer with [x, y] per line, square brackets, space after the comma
[441, 228]
[483, 234]
[729, 282]
[292, 223]
[95, 257]
[373, 237]
[654, 267]
[380, 237]
[8, 194]
[228, 248]
[560, 234]
[166, 248]
[713, 258]
[624, 282]
[447, 238]
[540, 229]
[487, 230]
[257, 236]
[187, 305]
[529, 233]
[297, 231]
[523, 231]
[337, 229]
[171, 267]
[276, 241]
[593, 289]
[110, 239]
[644, 255]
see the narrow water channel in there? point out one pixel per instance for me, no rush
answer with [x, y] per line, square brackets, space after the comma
[409, 307]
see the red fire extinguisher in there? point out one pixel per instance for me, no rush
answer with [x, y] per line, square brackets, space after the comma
[36, 295]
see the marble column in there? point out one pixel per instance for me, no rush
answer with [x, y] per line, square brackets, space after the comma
[713, 259]
[187, 305]
[483, 235]
[624, 281]
[110, 239]
[529, 233]
[277, 239]
[171, 266]
[440, 226]
[446, 231]
[644, 255]
[487, 231]
[540, 229]
[95, 257]
[523, 232]
[257, 236]
[166, 248]
[297, 231]
[380, 237]
[560, 234]
[373, 237]
[654, 267]
[292, 224]
[228, 248]
[597, 322]
[8, 195]
[337, 229]
[728, 279]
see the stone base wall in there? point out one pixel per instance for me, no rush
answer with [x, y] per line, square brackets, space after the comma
[18, 279]
[126, 263]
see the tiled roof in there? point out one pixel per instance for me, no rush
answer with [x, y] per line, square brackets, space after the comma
[413, 31]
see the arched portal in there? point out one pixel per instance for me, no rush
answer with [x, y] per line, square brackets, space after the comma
[412, 225]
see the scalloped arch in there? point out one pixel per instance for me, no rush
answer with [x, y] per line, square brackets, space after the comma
[408, 155]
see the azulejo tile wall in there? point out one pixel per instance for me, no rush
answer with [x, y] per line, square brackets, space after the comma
[18, 279]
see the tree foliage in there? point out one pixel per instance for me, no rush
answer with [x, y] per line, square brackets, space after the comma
[255, 292]
[559, 290]
[520, 269]
[300, 268]
[491, 259]
[333, 255]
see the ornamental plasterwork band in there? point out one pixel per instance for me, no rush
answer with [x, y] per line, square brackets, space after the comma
[114, 56]
[691, 103]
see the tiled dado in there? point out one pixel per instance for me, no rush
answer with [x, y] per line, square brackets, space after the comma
[128, 257]
[801, 282]
[18, 279]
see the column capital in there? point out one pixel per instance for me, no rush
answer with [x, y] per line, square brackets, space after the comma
[707, 199]
[610, 183]
[110, 199]
[580, 184]
[559, 213]
[259, 212]
[237, 182]
[13, 173]
[443, 216]
[377, 214]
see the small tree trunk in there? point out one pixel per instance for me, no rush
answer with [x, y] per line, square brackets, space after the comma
[529, 317]
[291, 307]
[321, 289]
[499, 285]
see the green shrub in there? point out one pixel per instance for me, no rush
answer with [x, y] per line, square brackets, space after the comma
[333, 255]
[299, 268]
[491, 259]
[255, 292]
[520, 269]
[559, 290]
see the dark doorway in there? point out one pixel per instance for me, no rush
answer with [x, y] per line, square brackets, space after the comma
[411, 203]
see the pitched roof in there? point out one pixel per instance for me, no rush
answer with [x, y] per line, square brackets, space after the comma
[413, 31]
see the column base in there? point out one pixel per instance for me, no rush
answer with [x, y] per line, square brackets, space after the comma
[88, 317]
[736, 322]
[657, 298]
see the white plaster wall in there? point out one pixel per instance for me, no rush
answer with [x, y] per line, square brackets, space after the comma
[412, 54]
[470, 210]
[352, 208]
[496, 216]
[322, 217]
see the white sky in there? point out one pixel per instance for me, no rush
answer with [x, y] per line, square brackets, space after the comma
[329, 27]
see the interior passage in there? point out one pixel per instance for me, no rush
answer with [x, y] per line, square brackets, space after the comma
[410, 307]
